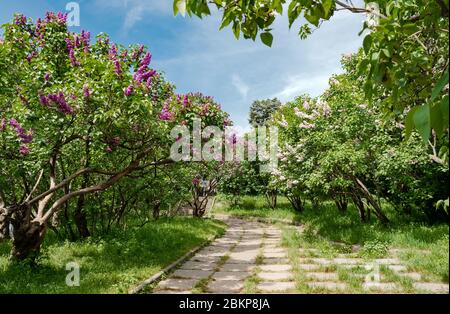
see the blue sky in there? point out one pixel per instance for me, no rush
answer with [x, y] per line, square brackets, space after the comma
[196, 56]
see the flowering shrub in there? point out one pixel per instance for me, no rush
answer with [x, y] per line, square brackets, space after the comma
[80, 116]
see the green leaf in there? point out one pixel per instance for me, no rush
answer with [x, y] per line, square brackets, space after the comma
[312, 17]
[422, 122]
[327, 5]
[179, 6]
[225, 21]
[367, 42]
[293, 13]
[409, 123]
[439, 86]
[436, 119]
[444, 110]
[386, 52]
[267, 38]
[236, 29]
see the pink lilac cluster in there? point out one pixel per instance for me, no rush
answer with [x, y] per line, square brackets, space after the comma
[71, 45]
[113, 143]
[85, 39]
[112, 54]
[86, 91]
[60, 18]
[39, 31]
[32, 55]
[144, 73]
[57, 99]
[25, 137]
[233, 139]
[20, 20]
[165, 114]
[137, 53]
[129, 90]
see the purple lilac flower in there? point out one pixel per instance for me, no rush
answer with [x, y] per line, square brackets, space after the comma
[86, 38]
[128, 91]
[113, 52]
[24, 150]
[86, 92]
[59, 100]
[63, 106]
[62, 17]
[25, 137]
[31, 56]
[20, 20]
[148, 84]
[195, 181]
[165, 114]
[185, 101]
[146, 60]
[137, 53]
[46, 77]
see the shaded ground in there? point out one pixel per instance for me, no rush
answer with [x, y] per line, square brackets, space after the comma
[109, 265]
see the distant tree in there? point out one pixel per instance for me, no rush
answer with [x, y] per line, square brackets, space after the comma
[261, 110]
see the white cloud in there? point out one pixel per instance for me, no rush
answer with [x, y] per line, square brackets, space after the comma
[240, 85]
[300, 84]
[136, 10]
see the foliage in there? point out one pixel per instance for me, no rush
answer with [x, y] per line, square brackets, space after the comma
[405, 45]
[338, 147]
[85, 133]
[261, 111]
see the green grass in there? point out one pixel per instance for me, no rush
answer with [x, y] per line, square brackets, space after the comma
[252, 206]
[109, 265]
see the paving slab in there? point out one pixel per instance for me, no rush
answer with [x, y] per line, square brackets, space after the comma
[193, 265]
[276, 286]
[275, 267]
[231, 275]
[275, 276]
[431, 287]
[327, 285]
[177, 284]
[309, 266]
[380, 286]
[237, 267]
[225, 286]
[194, 274]
[322, 276]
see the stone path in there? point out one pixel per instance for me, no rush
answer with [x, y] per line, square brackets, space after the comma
[249, 258]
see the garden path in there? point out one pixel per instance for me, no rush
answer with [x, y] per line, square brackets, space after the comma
[250, 258]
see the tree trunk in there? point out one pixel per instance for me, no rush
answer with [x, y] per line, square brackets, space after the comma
[341, 203]
[296, 203]
[360, 206]
[27, 235]
[156, 210]
[27, 240]
[271, 198]
[376, 207]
